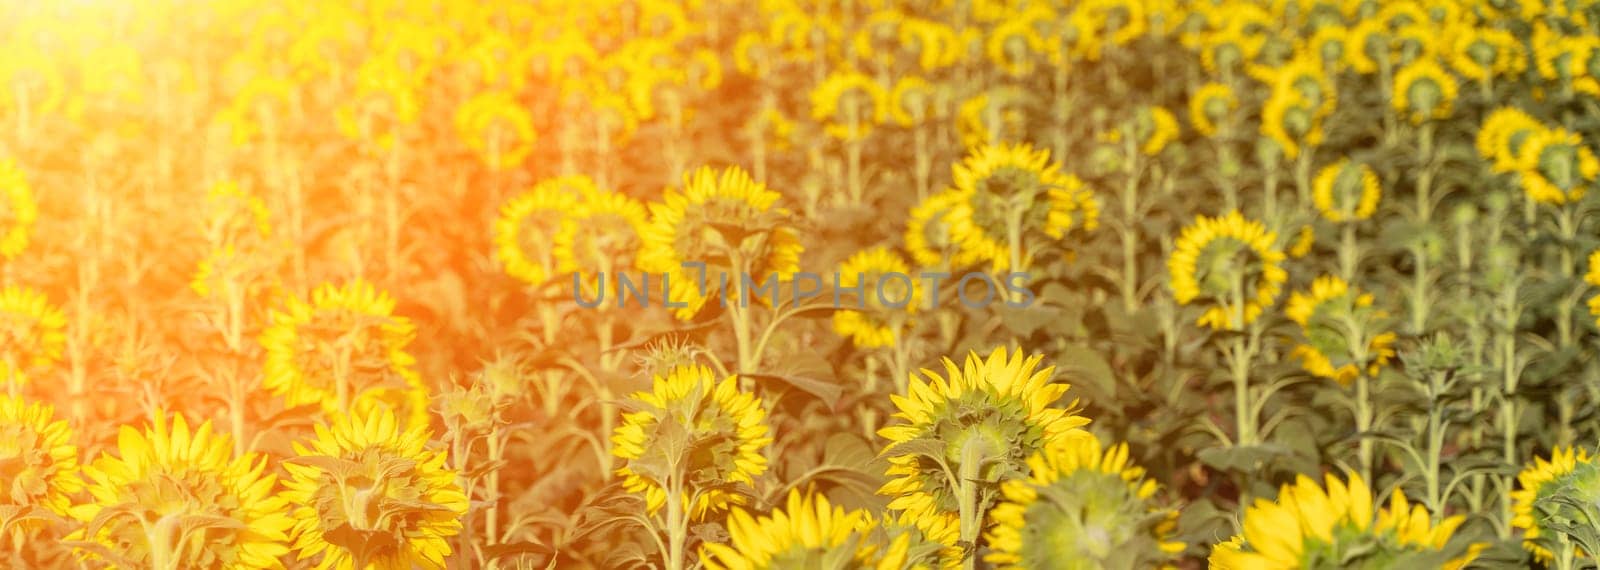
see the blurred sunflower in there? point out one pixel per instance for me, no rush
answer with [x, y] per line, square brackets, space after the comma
[1328, 46]
[930, 236]
[934, 44]
[849, 104]
[1549, 491]
[886, 302]
[602, 238]
[1503, 139]
[32, 335]
[1330, 300]
[1562, 167]
[1346, 192]
[525, 232]
[236, 227]
[1291, 121]
[1210, 106]
[912, 101]
[173, 497]
[367, 492]
[497, 128]
[1014, 46]
[1155, 128]
[1593, 278]
[41, 465]
[906, 546]
[1308, 77]
[1081, 507]
[726, 221]
[1008, 193]
[986, 417]
[808, 532]
[1423, 90]
[1231, 260]
[1107, 22]
[1481, 53]
[18, 212]
[1303, 242]
[344, 350]
[1309, 527]
[721, 430]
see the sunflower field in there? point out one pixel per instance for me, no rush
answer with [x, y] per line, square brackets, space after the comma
[801, 284]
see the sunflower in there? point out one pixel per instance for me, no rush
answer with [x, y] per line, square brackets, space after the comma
[1210, 106]
[344, 349]
[496, 127]
[727, 222]
[1331, 299]
[1081, 507]
[1328, 46]
[849, 104]
[1291, 121]
[1107, 22]
[910, 543]
[42, 465]
[525, 232]
[31, 333]
[1309, 527]
[992, 117]
[602, 238]
[1157, 127]
[1303, 242]
[722, 431]
[934, 44]
[1346, 192]
[1365, 39]
[1562, 166]
[1504, 137]
[1006, 185]
[929, 232]
[1424, 90]
[1014, 46]
[1550, 489]
[237, 227]
[986, 417]
[1481, 53]
[1207, 261]
[19, 210]
[175, 497]
[888, 295]
[367, 492]
[912, 101]
[1308, 77]
[808, 532]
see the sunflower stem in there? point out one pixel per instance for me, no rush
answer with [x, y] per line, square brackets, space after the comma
[677, 527]
[1349, 252]
[972, 456]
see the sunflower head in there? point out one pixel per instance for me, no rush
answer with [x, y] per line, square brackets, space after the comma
[344, 349]
[1504, 139]
[496, 127]
[1291, 121]
[32, 335]
[1155, 128]
[369, 491]
[175, 497]
[1011, 191]
[18, 211]
[913, 101]
[1346, 192]
[849, 104]
[237, 228]
[888, 296]
[1083, 506]
[41, 466]
[692, 432]
[930, 235]
[983, 418]
[1558, 167]
[1341, 331]
[1423, 90]
[1210, 107]
[1016, 44]
[525, 231]
[602, 239]
[721, 224]
[1554, 492]
[1337, 527]
[808, 532]
[1232, 261]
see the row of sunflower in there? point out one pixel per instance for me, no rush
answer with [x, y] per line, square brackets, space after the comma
[366, 284]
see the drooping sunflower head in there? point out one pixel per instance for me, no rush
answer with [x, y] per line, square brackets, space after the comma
[32, 335]
[1551, 490]
[1423, 90]
[1210, 107]
[1016, 45]
[1308, 77]
[1480, 53]
[176, 497]
[1082, 506]
[910, 542]
[934, 44]
[849, 104]
[1337, 527]
[1291, 121]
[1335, 320]
[18, 211]
[808, 532]
[930, 235]
[1504, 138]
[603, 239]
[1231, 260]
[1155, 128]
[236, 228]
[887, 297]
[720, 431]
[729, 223]
[1562, 167]
[525, 232]
[1014, 185]
[992, 117]
[344, 349]
[913, 101]
[41, 463]
[987, 415]
[1328, 45]
[369, 491]
[1346, 191]
[1107, 22]
[496, 127]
